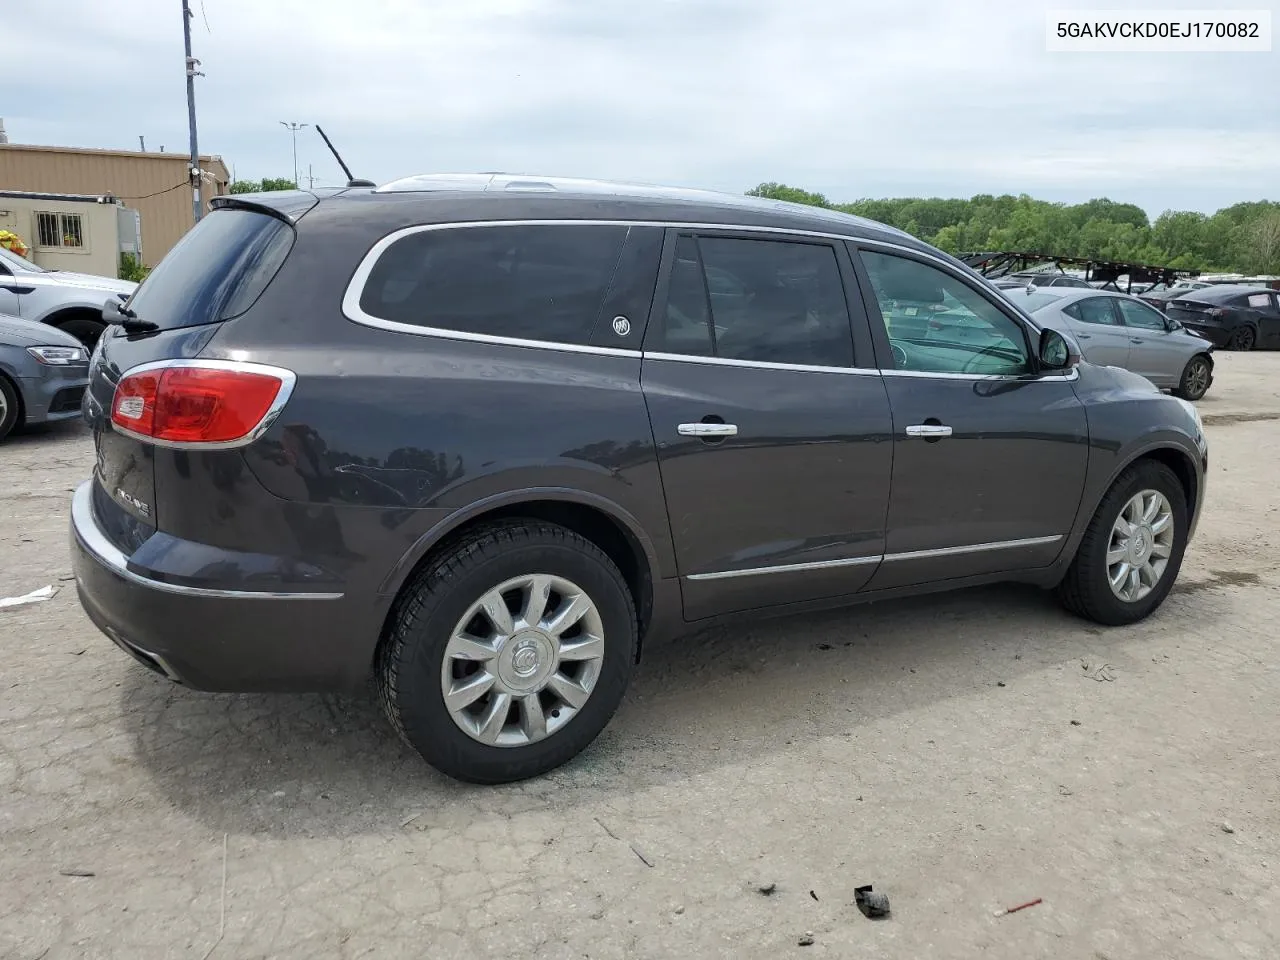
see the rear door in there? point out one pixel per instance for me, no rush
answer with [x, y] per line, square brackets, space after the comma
[773, 434]
[1096, 323]
[1268, 311]
[1154, 352]
[989, 454]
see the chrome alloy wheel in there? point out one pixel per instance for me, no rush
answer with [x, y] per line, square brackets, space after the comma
[1140, 545]
[523, 660]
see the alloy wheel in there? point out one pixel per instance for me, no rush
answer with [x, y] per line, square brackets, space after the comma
[1140, 545]
[1197, 378]
[523, 660]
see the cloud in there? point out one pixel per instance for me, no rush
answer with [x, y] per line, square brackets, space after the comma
[851, 97]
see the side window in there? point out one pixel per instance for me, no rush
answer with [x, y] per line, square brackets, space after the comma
[1140, 315]
[939, 324]
[527, 281]
[1259, 301]
[763, 300]
[1095, 310]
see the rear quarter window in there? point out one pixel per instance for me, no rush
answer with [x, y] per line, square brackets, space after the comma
[527, 282]
[216, 271]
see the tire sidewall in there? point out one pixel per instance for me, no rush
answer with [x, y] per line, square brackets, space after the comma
[12, 405]
[425, 719]
[1244, 338]
[1148, 476]
[1186, 374]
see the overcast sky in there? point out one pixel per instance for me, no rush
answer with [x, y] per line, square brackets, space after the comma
[853, 98]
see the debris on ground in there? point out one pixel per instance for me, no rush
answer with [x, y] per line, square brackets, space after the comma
[1098, 670]
[1075, 723]
[767, 889]
[77, 873]
[35, 596]
[806, 940]
[873, 905]
[814, 895]
[1000, 683]
[1022, 906]
[1227, 828]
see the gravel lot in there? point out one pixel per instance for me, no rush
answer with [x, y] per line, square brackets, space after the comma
[961, 753]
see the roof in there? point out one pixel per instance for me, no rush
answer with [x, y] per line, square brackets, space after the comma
[205, 159]
[1222, 291]
[80, 197]
[638, 194]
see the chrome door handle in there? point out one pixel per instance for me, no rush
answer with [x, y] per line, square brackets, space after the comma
[707, 429]
[929, 430]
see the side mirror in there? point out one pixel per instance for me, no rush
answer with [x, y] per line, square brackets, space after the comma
[1056, 352]
[111, 311]
[1171, 324]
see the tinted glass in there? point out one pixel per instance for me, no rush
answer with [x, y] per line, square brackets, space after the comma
[1140, 315]
[939, 324]
[528, 282]
[216, 271]
[1096, 310]
[762, 300]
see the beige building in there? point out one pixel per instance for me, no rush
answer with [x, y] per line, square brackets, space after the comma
[154, 184]
[79, 233]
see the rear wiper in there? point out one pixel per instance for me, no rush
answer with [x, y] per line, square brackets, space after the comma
[126, 318]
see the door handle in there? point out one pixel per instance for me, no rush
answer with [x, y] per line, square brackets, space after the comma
[1084, 336]
[930, 431]
[1136, 340]
[707, 430]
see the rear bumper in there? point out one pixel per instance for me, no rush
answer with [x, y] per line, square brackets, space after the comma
[231, 640]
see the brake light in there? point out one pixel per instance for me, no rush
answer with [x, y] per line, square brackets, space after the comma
[200, 402]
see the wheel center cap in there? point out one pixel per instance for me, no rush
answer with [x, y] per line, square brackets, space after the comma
[526, 661]
[1140, 547]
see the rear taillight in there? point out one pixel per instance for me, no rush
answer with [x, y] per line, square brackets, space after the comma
[1217, 312]
[200, 402]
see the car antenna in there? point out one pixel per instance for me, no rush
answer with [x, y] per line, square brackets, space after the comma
[351, 181]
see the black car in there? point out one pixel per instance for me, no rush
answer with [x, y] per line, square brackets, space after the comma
[487, 438]
[1236, 317]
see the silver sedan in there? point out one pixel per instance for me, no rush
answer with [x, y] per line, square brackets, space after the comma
[1116, 330]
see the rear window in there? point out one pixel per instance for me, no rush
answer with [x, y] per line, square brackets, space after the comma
[216, 271]
[528, 282]
[1032, 302]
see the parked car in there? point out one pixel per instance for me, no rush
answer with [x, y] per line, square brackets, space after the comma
[487, 439]
[43, 374]
[1116, 330]
[1236, 317]
[1039, 280]
[1159, 295]
[72, 302]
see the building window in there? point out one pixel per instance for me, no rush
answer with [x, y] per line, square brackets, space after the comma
[59, 230]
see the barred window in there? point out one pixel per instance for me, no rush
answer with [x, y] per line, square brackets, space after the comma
[59, 230]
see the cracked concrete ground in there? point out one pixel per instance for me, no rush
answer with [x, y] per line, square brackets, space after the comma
[961, 753]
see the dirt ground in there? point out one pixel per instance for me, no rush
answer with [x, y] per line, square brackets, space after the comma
[962, 754]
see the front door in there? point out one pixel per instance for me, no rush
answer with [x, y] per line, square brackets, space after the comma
[1154, 352]
[1265, 304]
[989, 455]
[774, 446]
[1097, 326]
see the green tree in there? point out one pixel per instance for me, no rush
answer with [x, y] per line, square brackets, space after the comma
[780, 191]
[265, 185]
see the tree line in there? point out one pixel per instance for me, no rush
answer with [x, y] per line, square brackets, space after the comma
[1242, 238]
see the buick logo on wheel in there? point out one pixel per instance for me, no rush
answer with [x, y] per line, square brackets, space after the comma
[621, 326]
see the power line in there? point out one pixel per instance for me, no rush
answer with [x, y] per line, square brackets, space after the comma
[158, 192]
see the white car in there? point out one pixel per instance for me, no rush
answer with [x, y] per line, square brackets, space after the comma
[72, 302]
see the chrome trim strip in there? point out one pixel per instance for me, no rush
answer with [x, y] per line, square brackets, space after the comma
[85, 527]
[287, 377]
[973, 548]
[786, 568]
[1073, 374]
[759, 364]
[860, 561]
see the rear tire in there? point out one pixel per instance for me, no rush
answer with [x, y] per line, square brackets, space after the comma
[430, 646]
[1087, 589]
[1242, 338]
[10, 407]
[1195, 378]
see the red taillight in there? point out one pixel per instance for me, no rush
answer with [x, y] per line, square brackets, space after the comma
[199, 403]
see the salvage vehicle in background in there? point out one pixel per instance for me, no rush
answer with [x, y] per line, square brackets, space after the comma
[1121, 331]
[1236, 317]
[43, 374]
[72, 302]
[486, 438]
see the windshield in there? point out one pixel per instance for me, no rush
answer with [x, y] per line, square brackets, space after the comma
[15, 262]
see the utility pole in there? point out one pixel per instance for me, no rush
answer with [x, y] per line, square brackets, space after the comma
[311, 181]
[192, 73]
[293, 129]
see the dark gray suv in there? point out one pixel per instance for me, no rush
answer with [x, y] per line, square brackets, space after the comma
[483, 438]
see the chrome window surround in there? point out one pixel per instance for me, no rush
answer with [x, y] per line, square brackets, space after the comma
[352, 310]
[85, 527]
[877, 558]
[287, 377]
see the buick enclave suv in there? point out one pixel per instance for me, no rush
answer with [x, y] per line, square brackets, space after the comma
[483, 438]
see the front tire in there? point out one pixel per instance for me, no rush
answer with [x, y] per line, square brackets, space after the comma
[1242, 338]
[10, 406]
[508, 653]
[1195, 378]
[1132, 550]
